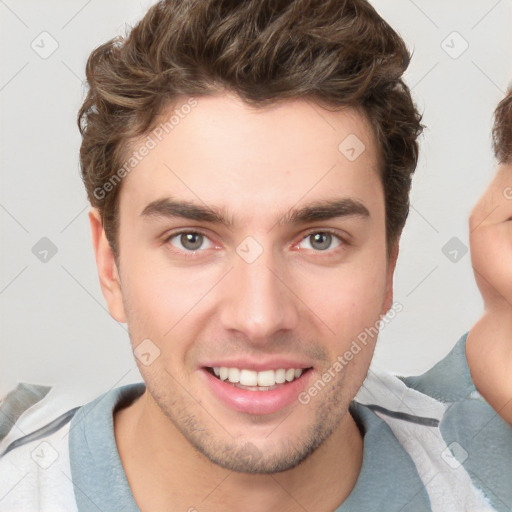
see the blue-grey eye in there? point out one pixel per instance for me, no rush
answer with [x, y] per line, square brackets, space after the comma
[321, 241]
[190, 241]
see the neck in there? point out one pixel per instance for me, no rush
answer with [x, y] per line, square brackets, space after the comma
[166, 472]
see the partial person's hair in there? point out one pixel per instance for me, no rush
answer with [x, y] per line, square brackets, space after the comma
[337, 53]
[502, 130]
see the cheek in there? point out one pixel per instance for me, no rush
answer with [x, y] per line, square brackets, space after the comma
[350, 290]
[157, 307]
[160, 297]
[162, 301]
[348, 300]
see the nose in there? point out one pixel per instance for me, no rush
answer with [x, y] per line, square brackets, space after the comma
[260, 301]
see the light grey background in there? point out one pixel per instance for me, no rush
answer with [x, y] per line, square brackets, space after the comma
[54, 325]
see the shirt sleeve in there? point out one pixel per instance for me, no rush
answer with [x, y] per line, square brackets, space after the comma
[470, 426]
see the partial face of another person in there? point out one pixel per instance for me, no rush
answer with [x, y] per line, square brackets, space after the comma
[253, 245]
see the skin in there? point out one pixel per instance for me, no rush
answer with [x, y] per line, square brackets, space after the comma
[180, 446]
[488, 346]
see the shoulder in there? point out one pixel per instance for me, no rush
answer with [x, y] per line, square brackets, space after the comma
[56, 445]
[480, 439]
[449, 431]
[449, 380]
[34, 456]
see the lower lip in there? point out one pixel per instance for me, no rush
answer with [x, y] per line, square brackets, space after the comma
[257, 402]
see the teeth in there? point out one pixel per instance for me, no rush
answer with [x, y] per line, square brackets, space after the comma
[267, 378]
[264, 379]
[248, 378]
[290, 374]
[234, 375]
[280, 376]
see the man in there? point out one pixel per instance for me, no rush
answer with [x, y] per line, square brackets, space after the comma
[249, 165]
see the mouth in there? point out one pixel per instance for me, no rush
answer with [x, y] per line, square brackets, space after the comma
[251, 380]
[257, 392]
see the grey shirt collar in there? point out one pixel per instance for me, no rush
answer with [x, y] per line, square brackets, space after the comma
[388, 479]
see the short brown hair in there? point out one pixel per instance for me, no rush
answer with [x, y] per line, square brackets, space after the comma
[502, 130]
[337, 53]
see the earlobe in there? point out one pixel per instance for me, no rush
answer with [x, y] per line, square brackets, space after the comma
[107, 268]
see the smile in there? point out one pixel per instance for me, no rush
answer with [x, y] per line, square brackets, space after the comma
[241, 389]
[257, 381]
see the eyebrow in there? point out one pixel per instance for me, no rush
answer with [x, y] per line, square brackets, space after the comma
[313, 212]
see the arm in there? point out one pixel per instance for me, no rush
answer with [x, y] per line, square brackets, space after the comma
[489, 343]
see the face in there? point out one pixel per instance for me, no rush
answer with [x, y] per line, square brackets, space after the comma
[253, 246]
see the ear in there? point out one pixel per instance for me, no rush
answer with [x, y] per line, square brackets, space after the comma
[107, 268]
[388, 297]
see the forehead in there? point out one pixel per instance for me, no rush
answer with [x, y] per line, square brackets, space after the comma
[219, 150]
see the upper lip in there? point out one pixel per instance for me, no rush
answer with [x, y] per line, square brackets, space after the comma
[259, 365]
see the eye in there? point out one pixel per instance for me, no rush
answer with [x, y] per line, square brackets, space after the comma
[321, 241]
[189, 241]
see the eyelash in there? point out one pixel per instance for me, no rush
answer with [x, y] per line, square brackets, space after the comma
[192, 254]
